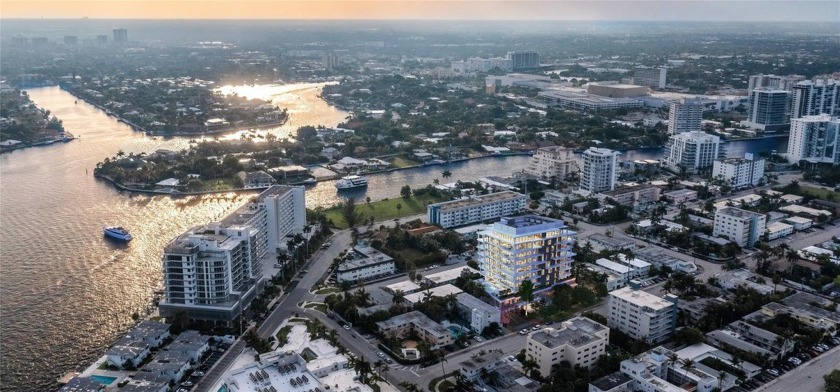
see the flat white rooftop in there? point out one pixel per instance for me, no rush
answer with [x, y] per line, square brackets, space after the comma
[449, 275]
[641, 298]
[440, 291]
[405, 286]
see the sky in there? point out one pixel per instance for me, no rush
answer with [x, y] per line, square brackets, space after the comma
[659, 10]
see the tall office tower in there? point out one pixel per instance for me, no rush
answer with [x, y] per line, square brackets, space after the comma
[814, 139]
[774, 82]
[527, 247]
[120, 35]
[692, 150]
[769, 110]
[522, 61]
[599, 170]
[685, 116]
[651, 77]
[820, 96]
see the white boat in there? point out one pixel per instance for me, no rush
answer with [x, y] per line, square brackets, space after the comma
[117, 233]
[351, 182]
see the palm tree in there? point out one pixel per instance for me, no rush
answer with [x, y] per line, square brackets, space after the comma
[362, 367]
[687, 364]
[399, 297]
[792, 256]
[446, 173]
[399, 207]
[410, 387]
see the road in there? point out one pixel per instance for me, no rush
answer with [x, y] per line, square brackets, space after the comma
[808, 377]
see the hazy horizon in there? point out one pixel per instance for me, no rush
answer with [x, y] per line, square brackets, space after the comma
[477, 10]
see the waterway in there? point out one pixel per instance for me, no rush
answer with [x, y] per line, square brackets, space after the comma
[66, 292]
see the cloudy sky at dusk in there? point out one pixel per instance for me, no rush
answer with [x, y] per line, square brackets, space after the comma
[828, 10]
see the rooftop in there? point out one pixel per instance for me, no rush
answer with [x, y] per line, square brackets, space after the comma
[576, 332]
[472, 302]
[364, 256]
[613, 266]
[479, 200]
[528, 224]
[415, 317]
[439, 291]
[449, 275]
[680, 192]
[611, 381]
[405, 286]
[641, 298]
[621, 191]
[737, 212]
[612, 241]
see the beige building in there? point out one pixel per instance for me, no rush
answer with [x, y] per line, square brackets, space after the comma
[427, 329]
[555, 161]
[617, 90]
[579, 341]
[641, 315]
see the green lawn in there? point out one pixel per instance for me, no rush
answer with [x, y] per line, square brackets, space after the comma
[319, 307]
[402, 162]
[822, 194]
[283, 335]
[385, 209]
[220, 184]
[328, 290]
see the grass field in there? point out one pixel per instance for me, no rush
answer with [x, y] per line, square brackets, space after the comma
[317, 306]
[328, 290]
[385, 209]
[402, 162]
[823, 194]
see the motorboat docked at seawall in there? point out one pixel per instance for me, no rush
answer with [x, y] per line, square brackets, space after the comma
[117, 233]
[351, 182]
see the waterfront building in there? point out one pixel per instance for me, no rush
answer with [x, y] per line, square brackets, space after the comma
[587, 102]
[815, 97]
[552, 162]
[633, 196]
[363, 263]
[685, 116]
[774, 82]
[579, 341]
[135, 346]
[769, 109]
[642, 315]
[120, 36]
[524, 60]
[651, 77]
[814, 139]
[528, 247]
[436, 335]
[692, 150]
[742, 227]
[479, 313]
[475, 209]
[739, 172]
[599, 170]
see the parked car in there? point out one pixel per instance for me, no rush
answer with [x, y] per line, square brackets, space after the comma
[346, 327]
[774, 372]
[523, 332]
[478, 338]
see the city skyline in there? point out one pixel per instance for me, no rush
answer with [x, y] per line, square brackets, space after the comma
[661, 10]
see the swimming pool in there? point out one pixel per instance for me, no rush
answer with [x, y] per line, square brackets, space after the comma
[104, 380]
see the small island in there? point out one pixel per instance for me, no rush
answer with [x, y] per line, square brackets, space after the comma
[22, 124]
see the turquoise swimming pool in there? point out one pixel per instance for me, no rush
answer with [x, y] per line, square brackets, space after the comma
[104, 380]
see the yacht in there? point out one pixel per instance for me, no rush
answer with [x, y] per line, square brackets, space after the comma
[351, 182]
[117, 233]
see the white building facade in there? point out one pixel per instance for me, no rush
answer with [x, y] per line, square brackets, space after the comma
[740, 226]
[599, 170]
[579, 341]
[739, 172]
[814, 139]
[651, 77]
[642, 315]
[692, 150]
[685, 116]
[555, 161]
[523, 248]
[475, 209]
[815, 97]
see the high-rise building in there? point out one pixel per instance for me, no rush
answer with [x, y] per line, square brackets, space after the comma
[769, 109]
[71, 40]
[642, 315]
[524, 60]
[599, 170]
[811, 98]
[651, 77]
[521, 248]
[742, 227]
[814, 139]
[101, 39]
[739, 172]
[774, 82]
[212, 272]
[120, 35]
[692, 150]
[330, 61]
[554, 161]
[579, 341]
[685, 116]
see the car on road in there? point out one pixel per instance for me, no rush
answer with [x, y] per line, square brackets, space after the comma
[389, 360]
[537, 327]
[524, 331]
[346, 327]
[198, 374]
[187, 384]
[380, 354]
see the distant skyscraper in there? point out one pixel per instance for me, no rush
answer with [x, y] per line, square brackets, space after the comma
[774, 82]
[685, 116]
[101, 39]
[120, 35]
[330, 61]
[599, 170]
[651, 77]
[692, 150]
[811, 98]
[769, 109]
[71, 40]
[814, 139]
[521, 61]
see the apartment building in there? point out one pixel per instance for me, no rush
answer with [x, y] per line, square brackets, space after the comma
[685, 116]
[427, 329]
[524, 60]
[363, 263]
[579, 341]
[815, 97]
[739, 172]
[642, 315]
[633, 196]
[480, 313]
[522, 248]
[692, 150]
[599, 170]
[475, 209]
[769, 109]
[651, 77]
[739, 226]
[653, 371]
[814, 139]
[552, 162]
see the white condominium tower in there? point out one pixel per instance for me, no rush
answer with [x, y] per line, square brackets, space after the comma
[820, 96]
[527, 247]
[651, 77]
[814, 139]
[599, 170]
[554, 161]
[685, 116]
[692, 150]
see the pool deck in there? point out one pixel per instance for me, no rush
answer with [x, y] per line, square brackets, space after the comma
[93, 370]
